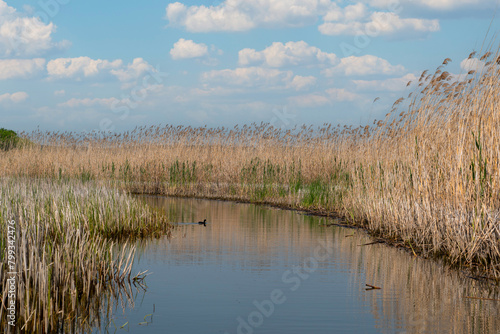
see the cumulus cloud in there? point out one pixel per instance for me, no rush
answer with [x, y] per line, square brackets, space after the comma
[14, 97]
[361, 15]
[84, 67]
[242, 15]
[392, 84]
[207, 19]
[20, 68]
[364, 65]
[349, 13]
[80, 67]
[22, 35]
[356, 19]
[184, 49]
[133, 71]
[288, 54]
[255, 77]
[300, 82]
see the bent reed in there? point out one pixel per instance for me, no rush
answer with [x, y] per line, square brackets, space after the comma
[67, 263]
[427, 176]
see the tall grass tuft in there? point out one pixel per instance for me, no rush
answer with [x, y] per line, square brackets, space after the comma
[66, 258]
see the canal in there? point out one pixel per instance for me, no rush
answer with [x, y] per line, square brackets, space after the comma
[257, 269]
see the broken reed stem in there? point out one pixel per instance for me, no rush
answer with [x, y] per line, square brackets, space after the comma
[372, 287]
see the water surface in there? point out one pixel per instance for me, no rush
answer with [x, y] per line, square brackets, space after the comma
[256, 269]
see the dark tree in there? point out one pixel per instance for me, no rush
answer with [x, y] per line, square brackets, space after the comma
[8, 139]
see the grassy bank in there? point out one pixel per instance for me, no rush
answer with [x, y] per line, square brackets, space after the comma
[427, 176]
[59, 238]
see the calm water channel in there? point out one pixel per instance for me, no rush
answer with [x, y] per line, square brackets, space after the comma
[255, 269]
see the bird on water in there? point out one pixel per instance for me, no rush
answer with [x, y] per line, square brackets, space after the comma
[204, 222]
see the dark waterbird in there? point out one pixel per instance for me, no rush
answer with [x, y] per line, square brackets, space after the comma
[204, 222]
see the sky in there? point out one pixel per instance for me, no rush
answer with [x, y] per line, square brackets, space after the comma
[73, 65]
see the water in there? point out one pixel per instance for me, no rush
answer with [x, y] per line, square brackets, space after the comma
[256, 269]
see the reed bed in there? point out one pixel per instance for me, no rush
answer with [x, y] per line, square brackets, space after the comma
[427, 176]
[66, 258]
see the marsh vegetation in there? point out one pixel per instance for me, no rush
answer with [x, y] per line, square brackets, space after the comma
[426, 177]
[65, 252]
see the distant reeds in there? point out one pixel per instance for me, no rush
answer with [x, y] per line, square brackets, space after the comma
[427, 176]
[66, 257]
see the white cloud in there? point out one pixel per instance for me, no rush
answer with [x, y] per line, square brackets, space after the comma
[382, 16]
[14, 97]
[341, 95]
[255, 77]
[348, 13]
[328, 97]
[61, 92]
[76, 68]
[84, 67]
[133, 71]
[249, 77]
[87, 102]
[21, 35]
[5, 10]
[188, 49]
[20, 68]
[364, 65]
[472, 64]
[341, 22]
[288, 54]
[242, 15]
[300, 82]
[206, 19]
[388, 23]
[392, 85]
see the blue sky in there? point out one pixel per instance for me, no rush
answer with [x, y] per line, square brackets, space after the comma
[112, 65]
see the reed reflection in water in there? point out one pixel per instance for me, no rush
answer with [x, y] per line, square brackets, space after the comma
[206, 279]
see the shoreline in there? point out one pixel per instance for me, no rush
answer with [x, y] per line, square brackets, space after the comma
[378, 237]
